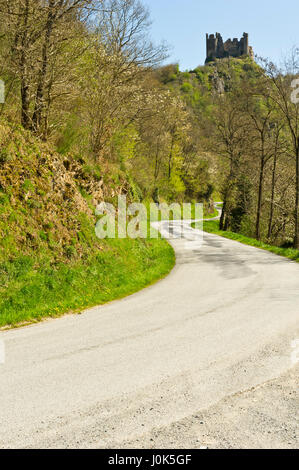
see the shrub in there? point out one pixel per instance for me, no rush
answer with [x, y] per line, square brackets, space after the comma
[186, 87]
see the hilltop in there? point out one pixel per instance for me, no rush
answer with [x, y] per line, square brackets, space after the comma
[197, 85]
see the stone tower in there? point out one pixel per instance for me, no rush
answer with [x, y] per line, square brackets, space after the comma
[217, 49]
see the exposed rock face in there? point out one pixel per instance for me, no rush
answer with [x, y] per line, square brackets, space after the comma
[217, 49]
[218, 83]
[46, 198]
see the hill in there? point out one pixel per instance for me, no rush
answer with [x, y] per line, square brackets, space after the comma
[51, 261]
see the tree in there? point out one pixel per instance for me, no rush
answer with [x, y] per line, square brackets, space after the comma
[279, 90]
[229, 140]
[260, 115]
[120, 59]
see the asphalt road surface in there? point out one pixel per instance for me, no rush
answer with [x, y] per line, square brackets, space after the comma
[203, 358]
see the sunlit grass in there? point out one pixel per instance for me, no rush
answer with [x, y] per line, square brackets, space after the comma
[213, 227]
[29, 294]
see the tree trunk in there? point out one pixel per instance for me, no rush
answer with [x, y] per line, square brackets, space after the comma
[25, 97]
[260, 193]
[25, 118]
[156, 172]
[296, 240]
[170, 159]
[39, 98]
[259, 204]
[223, 213]
[272, 196]
[224, 219]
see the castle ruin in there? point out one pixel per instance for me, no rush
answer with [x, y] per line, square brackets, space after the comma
[217, 49]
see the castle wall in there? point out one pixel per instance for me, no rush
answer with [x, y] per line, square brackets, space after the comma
[217, 49]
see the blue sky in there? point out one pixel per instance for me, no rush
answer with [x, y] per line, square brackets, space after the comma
[273, 26]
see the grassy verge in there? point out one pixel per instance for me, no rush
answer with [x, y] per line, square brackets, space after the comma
[213, 227]
[51, 261]
[33, 286]
[29, 294]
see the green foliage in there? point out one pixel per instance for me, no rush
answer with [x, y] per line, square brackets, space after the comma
[240, 211]
[186, 87]
[125, 143]
[51, 261]
[92, 171]
[168, 73]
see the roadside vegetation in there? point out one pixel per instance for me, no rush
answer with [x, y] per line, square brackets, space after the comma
[31, 292]
[213, 227]
[51, 261]
[85, 119]
[247, 125]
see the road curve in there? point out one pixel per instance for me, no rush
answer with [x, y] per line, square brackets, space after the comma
[166, 366]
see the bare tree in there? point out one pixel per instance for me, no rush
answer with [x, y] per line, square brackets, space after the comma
[124, 27]
[122, 56]
[230, 132]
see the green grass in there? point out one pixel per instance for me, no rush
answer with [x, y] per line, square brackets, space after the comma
[29, 294]
[34, 287]
[213, 227]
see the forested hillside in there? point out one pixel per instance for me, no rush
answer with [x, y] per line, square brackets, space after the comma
[81, 75]
[247, 127]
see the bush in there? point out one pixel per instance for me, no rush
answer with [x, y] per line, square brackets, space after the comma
[186, 87]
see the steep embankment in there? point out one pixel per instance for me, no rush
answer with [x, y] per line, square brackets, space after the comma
[50, 259]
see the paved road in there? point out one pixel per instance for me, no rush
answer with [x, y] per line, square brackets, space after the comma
[202, 358]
